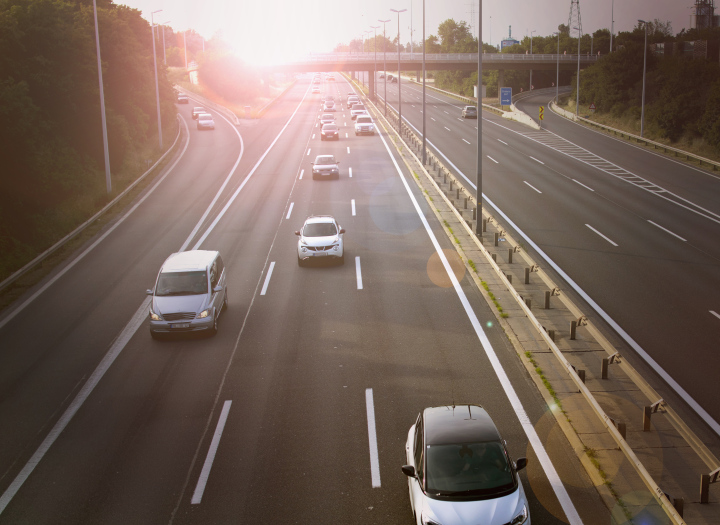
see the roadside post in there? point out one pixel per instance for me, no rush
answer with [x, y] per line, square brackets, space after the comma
[542, 115]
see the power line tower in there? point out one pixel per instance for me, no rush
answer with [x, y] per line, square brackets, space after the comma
[574, 19]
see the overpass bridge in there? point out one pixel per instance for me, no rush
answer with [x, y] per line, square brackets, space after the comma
[371, 62]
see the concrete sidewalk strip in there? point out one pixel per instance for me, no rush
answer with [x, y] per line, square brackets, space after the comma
[627, 472]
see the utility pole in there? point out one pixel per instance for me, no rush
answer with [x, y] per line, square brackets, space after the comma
[106, 151]
[384, 66]
[478, 179]
[642, 110]
[399, 73]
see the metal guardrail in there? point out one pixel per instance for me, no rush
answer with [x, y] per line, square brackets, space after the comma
[444, 57]
[44, 255]
[217, 107]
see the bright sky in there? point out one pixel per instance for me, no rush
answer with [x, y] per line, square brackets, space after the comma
[277, 30]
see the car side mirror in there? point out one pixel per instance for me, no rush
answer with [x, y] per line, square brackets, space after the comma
[409, 471]
[521, 463]
[149, 291]
[297, 233]
[342, 230]
[217, 289]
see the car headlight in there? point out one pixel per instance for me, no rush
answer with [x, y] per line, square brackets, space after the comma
[521, 517]
[203, 314]
[154, 316]
[428, 519]
[335, 247]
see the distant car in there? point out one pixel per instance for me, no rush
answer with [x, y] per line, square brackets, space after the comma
[327, 118]
[331, 78]
[325, 166]
[320, 237]
[328, 97]
[182, 98]
[330, 132]
[351, 100]
[356, 110]
[364, 125]
[196, 111]
[390, 77]
[316, 89]
[329, 105]
[190, 293]
[382, 75]
[469, 112]
[393, 80]
[460, 472]
[205, 121]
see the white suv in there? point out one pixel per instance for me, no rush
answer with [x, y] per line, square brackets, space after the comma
[364, 124]
[320, 237]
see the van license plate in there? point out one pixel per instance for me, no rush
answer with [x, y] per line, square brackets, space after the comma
[180, 325]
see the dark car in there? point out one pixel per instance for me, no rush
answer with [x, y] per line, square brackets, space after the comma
[329, 132]
[469, 112]
[325, 166]
[393, 80]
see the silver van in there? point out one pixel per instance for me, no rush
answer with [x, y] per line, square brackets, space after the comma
[189, 294]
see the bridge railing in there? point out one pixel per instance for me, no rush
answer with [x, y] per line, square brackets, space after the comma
[444, 57]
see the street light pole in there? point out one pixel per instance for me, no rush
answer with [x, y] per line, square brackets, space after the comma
[557, 72]
[577, 98]
[399, 73]
[612, 24]
[108, 182]
[384, 66]
[374, 94]
[531, 52]
[592, 41]
[157, 89]
[185, 46]
[478, 179]
[642, 110]
[164, 53]
[424, 136]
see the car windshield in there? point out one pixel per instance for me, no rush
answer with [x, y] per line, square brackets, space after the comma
[319, 229]
[468, 469]
[181, 283]
[328, 116]
[358, 107]
[364, 120]
[325, 159]
[329, 127]
[205, 117]
[470, 108]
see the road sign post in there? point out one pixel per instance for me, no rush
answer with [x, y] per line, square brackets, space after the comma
[542, 115]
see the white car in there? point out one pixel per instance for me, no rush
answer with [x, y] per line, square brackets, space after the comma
[459, 470]
[316, 89]
[357, 109]
[364, 125]
[205, 121]
[182, 98]
[320, 237]
[327, 118]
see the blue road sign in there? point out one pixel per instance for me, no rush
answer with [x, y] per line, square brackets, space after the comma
[506, 96]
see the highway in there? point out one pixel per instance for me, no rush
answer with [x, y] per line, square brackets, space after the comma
[636, 231]
[298, 410]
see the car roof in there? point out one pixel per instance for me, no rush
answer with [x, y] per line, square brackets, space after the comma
[333, 125]
[198, 107]
[328, 115]
[333, 157]
[189, 261]
[314, 219]
[460, 424]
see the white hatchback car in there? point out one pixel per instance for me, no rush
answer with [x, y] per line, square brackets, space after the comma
[205, 121]
[320, 237]
[460, 472]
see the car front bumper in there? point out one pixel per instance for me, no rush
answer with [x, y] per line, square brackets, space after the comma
[183, 326]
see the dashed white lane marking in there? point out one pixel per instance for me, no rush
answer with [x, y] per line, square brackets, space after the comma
[308, 151]
[289, 210]
[492, 159]
[350, 172]
[502, 142]
[346, 135]
[581, 184]
[433, 119]
[445, 112]
[313, 137]
[715, 314]
[358, 272]
[267, 279]
[205, 473]
[372, 438]
[301, 174]
[533, 187]
[666, 230]
[447, 128]
[465, 141]
[348, 149]
[352, 204]
[601, 235]
[541, 162]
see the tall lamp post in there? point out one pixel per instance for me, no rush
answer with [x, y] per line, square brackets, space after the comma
[642, 110]
[157, 89]
[367, 73]
[557, 71]
[612, 23]
[399, 75]
[185, 46]
[383, 22]
[164, 53]
[424, 145]
[478, 178]
[374, 94]
[531, 52]
[108, 182]
[577, 97]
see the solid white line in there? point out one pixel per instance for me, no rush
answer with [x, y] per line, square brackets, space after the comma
[465, 141]
[447, 128]
[205, 473]
[541, 162]
[301, 174]
[715, 314]
[666, 230]
[372, 438]
[601, 235]
[533, 187]
[308, 151]
[581, 184]
[552, 475]
[267, 278]
[352, 203]
[289, 210]
[348, 149]
[137, 319]
[502, 141]
[492, 159]
[358, 273]
[350, 171]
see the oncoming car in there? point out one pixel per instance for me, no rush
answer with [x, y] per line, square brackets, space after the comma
[325, 166]
[460, 472]
[182, 98]
[469, 112]
[327, 118]
[196, 111]
[316, 89]
[356, 110]
[205, 121]
[190, 293]
[329, 132]
[320, 237]
[364, 125]
[329, 105]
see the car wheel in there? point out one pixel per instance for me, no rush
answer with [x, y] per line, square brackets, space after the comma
[214, 329]
[225, 301]
[155, 335]
[300, 261]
